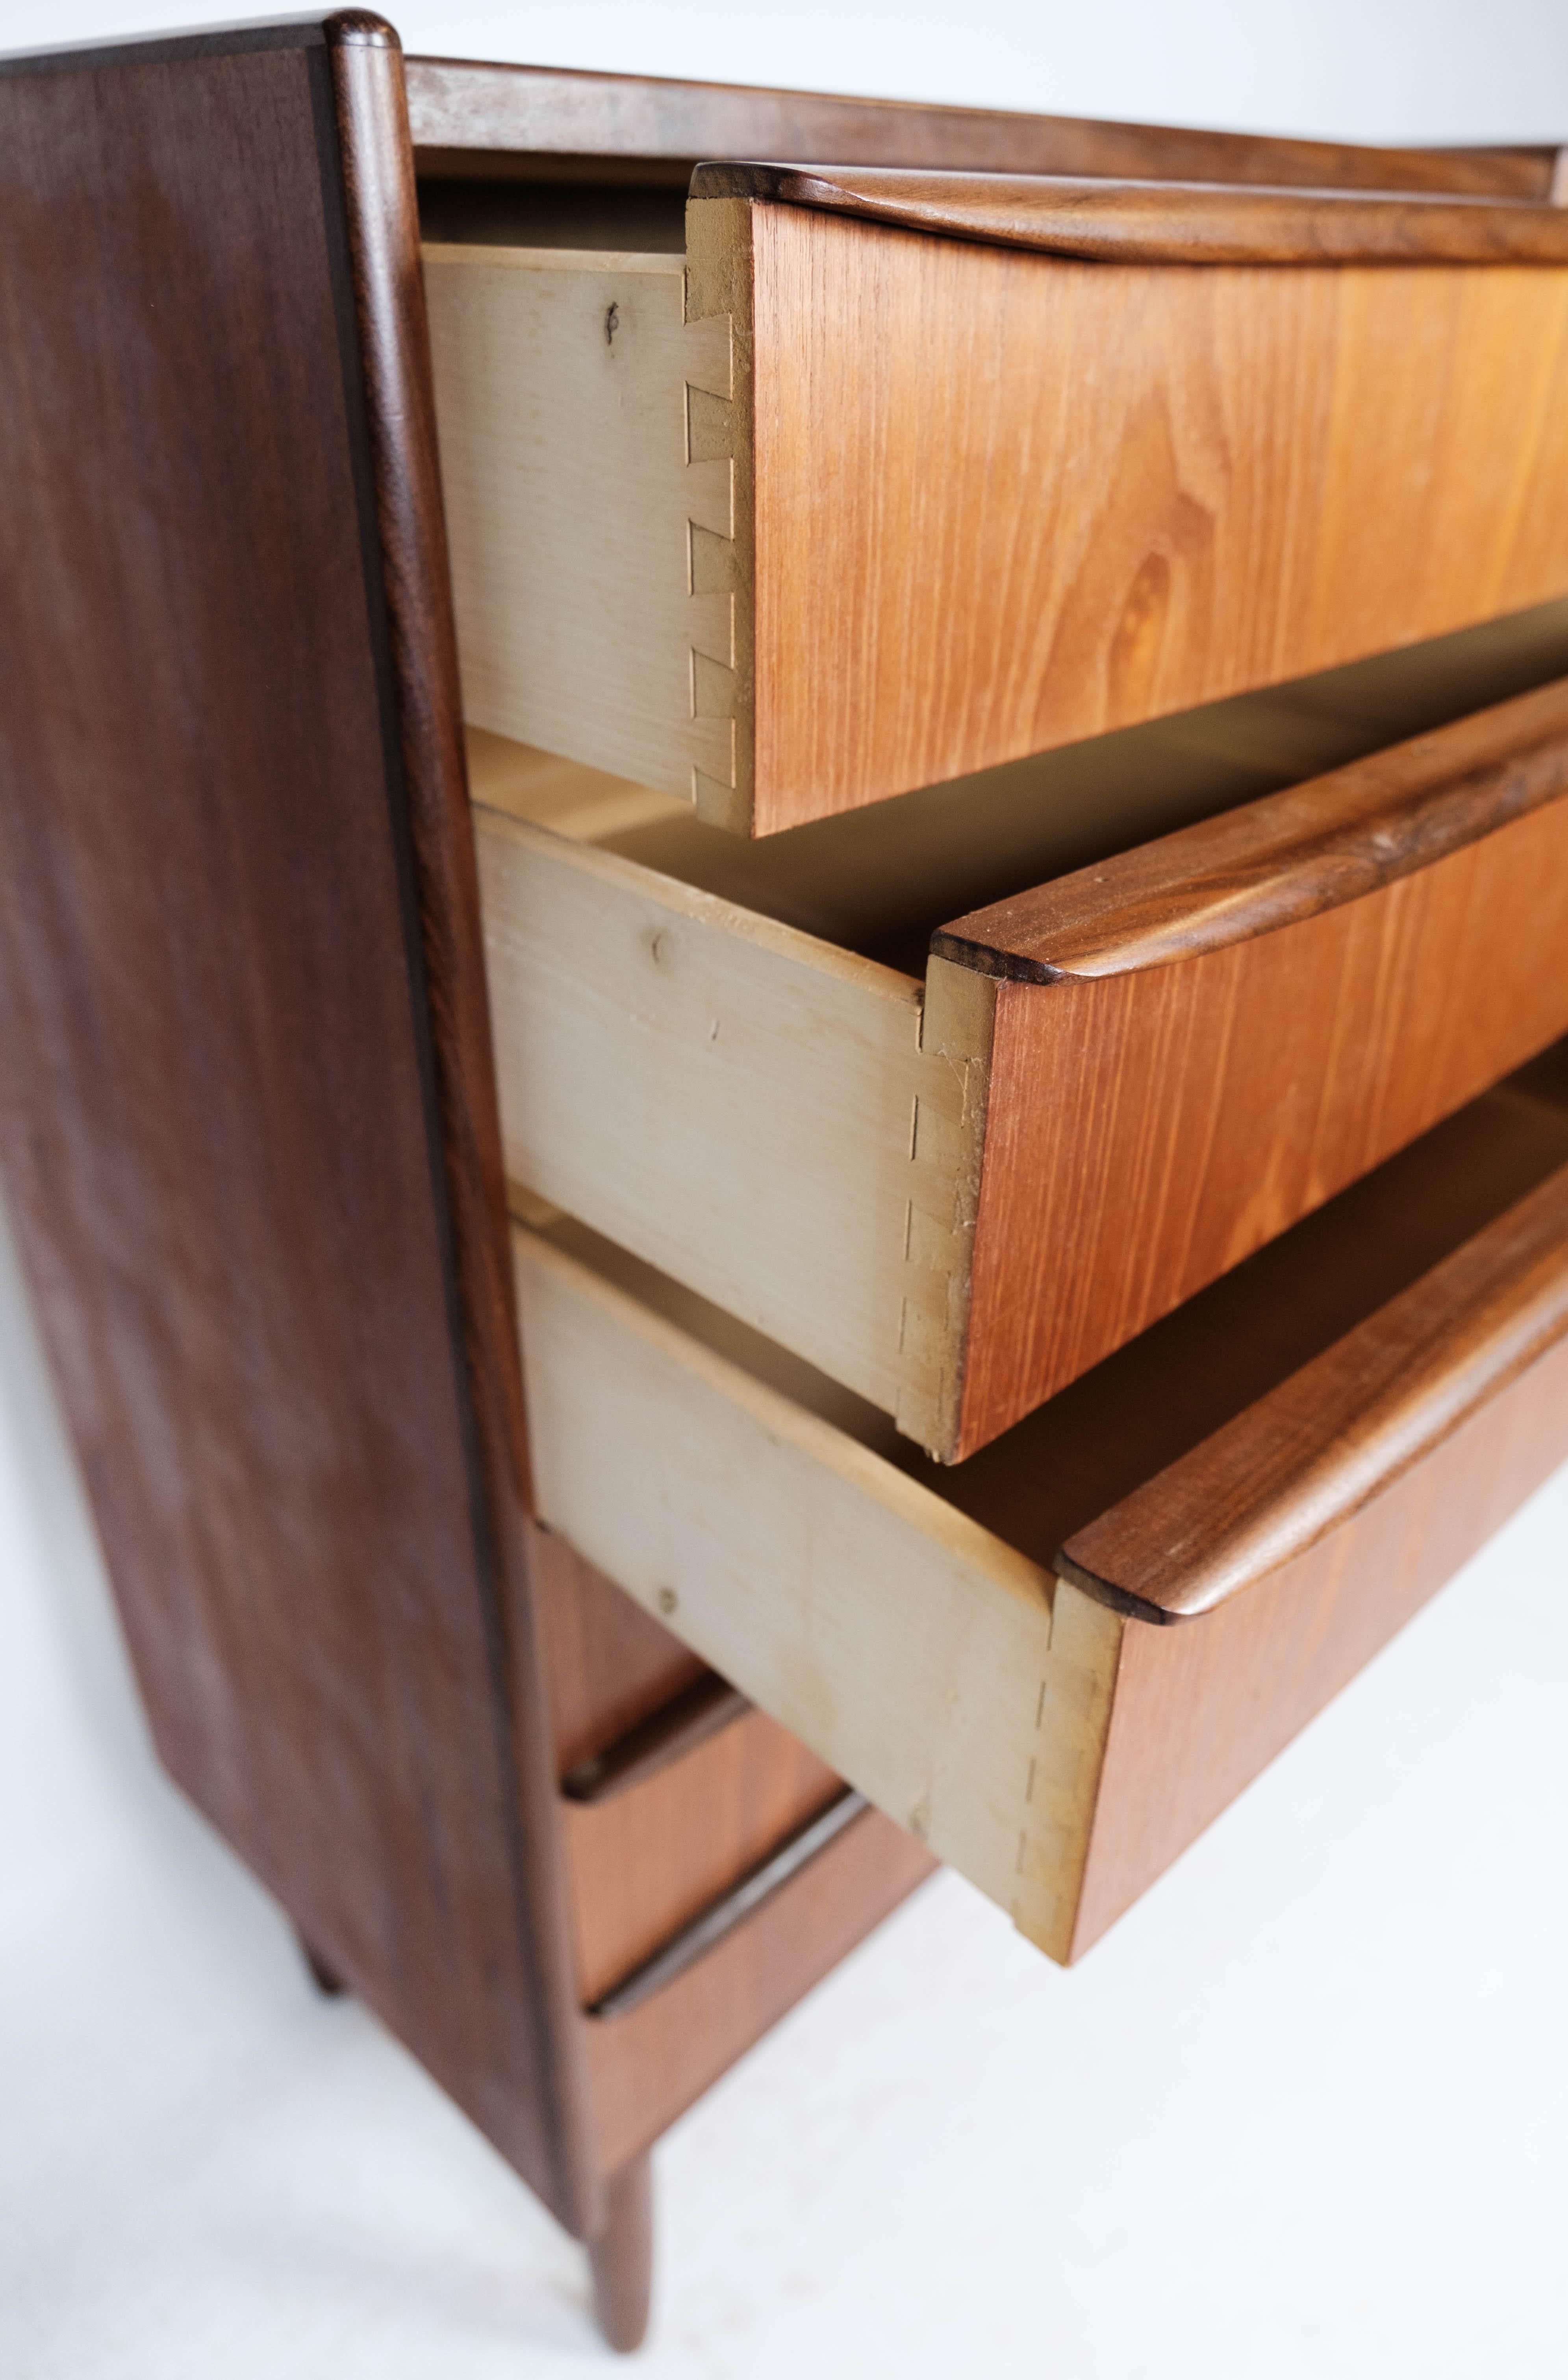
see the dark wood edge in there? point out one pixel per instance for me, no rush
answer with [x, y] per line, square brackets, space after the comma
[704, 1710]
[303, 32]
[1282, 858]
[720, 1919]
[1103, 221]
[1309, 1456]
[462, 103]
[428, 791]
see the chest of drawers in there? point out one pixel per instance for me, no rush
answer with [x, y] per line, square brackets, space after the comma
[951, 1199]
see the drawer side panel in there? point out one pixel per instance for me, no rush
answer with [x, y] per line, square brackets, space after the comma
[747, 1108]
[907, 1646]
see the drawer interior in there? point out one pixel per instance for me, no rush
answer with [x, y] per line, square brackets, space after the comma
[903, 1619]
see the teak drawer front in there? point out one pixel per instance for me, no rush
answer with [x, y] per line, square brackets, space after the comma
[1114, 1088]
[1265, 1523]
[646, 1862]
[853, 507]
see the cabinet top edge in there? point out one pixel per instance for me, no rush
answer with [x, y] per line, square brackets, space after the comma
[458, 104]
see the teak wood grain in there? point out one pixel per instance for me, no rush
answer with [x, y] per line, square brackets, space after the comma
[646, 1863]
[1117, 1086]
[867, 508]
[247, 1094]
[1240, 1019]
[1276, 861]
[1311, 1529]
[1329, 1432]
[1302, 1462]
[497, 118]
[707, 1706]
[1198, 1712]
[988, 502]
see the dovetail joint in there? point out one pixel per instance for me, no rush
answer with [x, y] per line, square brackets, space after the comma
[938, 1227]
[712, 572]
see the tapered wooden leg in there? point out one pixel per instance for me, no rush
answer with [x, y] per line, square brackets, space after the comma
[622, 2257]
[328, 1981]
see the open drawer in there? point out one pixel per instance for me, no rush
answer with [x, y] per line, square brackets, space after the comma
[891, 479]
[953, 1196]
[1239, 1509]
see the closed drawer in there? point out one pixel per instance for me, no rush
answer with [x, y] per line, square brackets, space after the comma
[955, 1195]
[647, 1861]
[886, 482]
[1057, 1664]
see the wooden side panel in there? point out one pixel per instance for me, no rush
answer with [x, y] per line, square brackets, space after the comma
[246, 1121]
[1147, 1131]
[1003, 501]
[1201, 1707]
[648, 2067]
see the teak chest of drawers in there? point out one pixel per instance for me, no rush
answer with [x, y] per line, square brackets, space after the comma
[890, 1186]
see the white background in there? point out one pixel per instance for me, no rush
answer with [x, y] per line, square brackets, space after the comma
[1302, 2114]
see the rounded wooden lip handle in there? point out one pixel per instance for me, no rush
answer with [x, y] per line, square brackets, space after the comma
[1280, 858]
[1307, 1456]
[1103, 221]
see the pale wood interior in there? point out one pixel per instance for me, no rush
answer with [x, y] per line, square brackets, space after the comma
[570, 392]
[901, 1617]
[720, 1093]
